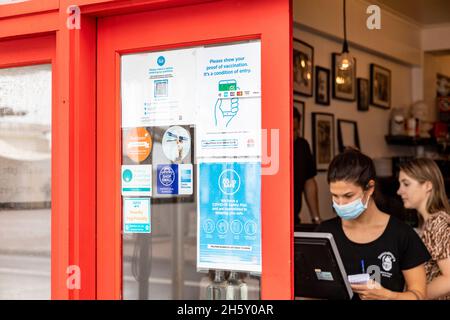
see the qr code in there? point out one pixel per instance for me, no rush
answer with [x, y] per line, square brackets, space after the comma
[161, 88]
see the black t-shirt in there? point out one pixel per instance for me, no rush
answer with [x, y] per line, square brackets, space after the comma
[398, 248]
[304, 169]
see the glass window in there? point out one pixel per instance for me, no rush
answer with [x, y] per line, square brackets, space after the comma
[191, 181]
[25, 182]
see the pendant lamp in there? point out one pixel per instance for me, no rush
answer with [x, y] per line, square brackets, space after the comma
[345, 61]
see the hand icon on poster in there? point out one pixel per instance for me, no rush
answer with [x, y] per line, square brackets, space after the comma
[225, 110]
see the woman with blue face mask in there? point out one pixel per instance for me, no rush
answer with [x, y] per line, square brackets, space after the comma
[369, 240]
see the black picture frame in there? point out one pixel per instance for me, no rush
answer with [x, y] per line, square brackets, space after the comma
[322, 95]
[347, 90]
[323, 139]
[303, 68]
[300, 106]
[380, 86]
[443, 95]
[348, 135]
[363, 94]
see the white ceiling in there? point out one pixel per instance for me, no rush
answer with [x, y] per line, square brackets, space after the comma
[423, 12]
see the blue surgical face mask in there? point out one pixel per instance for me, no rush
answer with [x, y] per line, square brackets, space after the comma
[352, 210]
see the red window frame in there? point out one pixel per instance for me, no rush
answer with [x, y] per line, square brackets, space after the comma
[35, 32]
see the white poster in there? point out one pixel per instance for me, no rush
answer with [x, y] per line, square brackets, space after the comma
[136, 215]
[229, 102]
[137, 180]
[157, 88]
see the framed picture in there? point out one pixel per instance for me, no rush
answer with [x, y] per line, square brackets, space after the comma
[300, 106]
[380, 86]
[443, 94]
[323, 139]
[348, 134]
[303, 68]
[322, 86]
[363, 94]
[344, 81]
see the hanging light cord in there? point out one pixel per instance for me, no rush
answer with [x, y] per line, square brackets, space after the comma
[345, 48]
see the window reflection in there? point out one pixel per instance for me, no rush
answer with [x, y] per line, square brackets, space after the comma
[25, 182]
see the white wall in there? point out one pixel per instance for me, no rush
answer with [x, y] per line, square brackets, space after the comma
[394, 47]
[436, 37]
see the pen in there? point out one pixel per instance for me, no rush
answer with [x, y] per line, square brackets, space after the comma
[362, 266]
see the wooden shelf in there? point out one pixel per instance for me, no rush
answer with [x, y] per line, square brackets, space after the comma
[410, 141]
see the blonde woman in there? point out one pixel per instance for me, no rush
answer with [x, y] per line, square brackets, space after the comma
[422, 188]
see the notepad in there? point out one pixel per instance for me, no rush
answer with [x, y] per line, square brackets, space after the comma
[361, 278]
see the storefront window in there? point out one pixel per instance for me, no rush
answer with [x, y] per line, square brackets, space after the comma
[191, 173]
[25, 182]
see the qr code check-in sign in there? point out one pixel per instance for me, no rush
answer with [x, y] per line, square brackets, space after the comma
[161, 88]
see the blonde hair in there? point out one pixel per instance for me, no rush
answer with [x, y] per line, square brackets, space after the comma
[424, 170]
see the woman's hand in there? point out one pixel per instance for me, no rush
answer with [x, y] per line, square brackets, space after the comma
[372, 290]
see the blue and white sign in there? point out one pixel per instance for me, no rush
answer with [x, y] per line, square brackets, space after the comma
[167, 179]
[229, 102]
[136, 180]
[158, 88]
[136, 215]
[175, 179]
[185, 181]
[229, 223]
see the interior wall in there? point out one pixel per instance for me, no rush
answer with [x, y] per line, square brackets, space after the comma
[433, 65]
[373, 125]
[435, 37]
[398, 38]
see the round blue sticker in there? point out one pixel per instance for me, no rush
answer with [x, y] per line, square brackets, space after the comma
[161, 61]
[127, 175]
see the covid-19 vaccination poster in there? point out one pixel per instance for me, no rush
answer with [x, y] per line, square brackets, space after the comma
[229, 220]
[229, 102]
